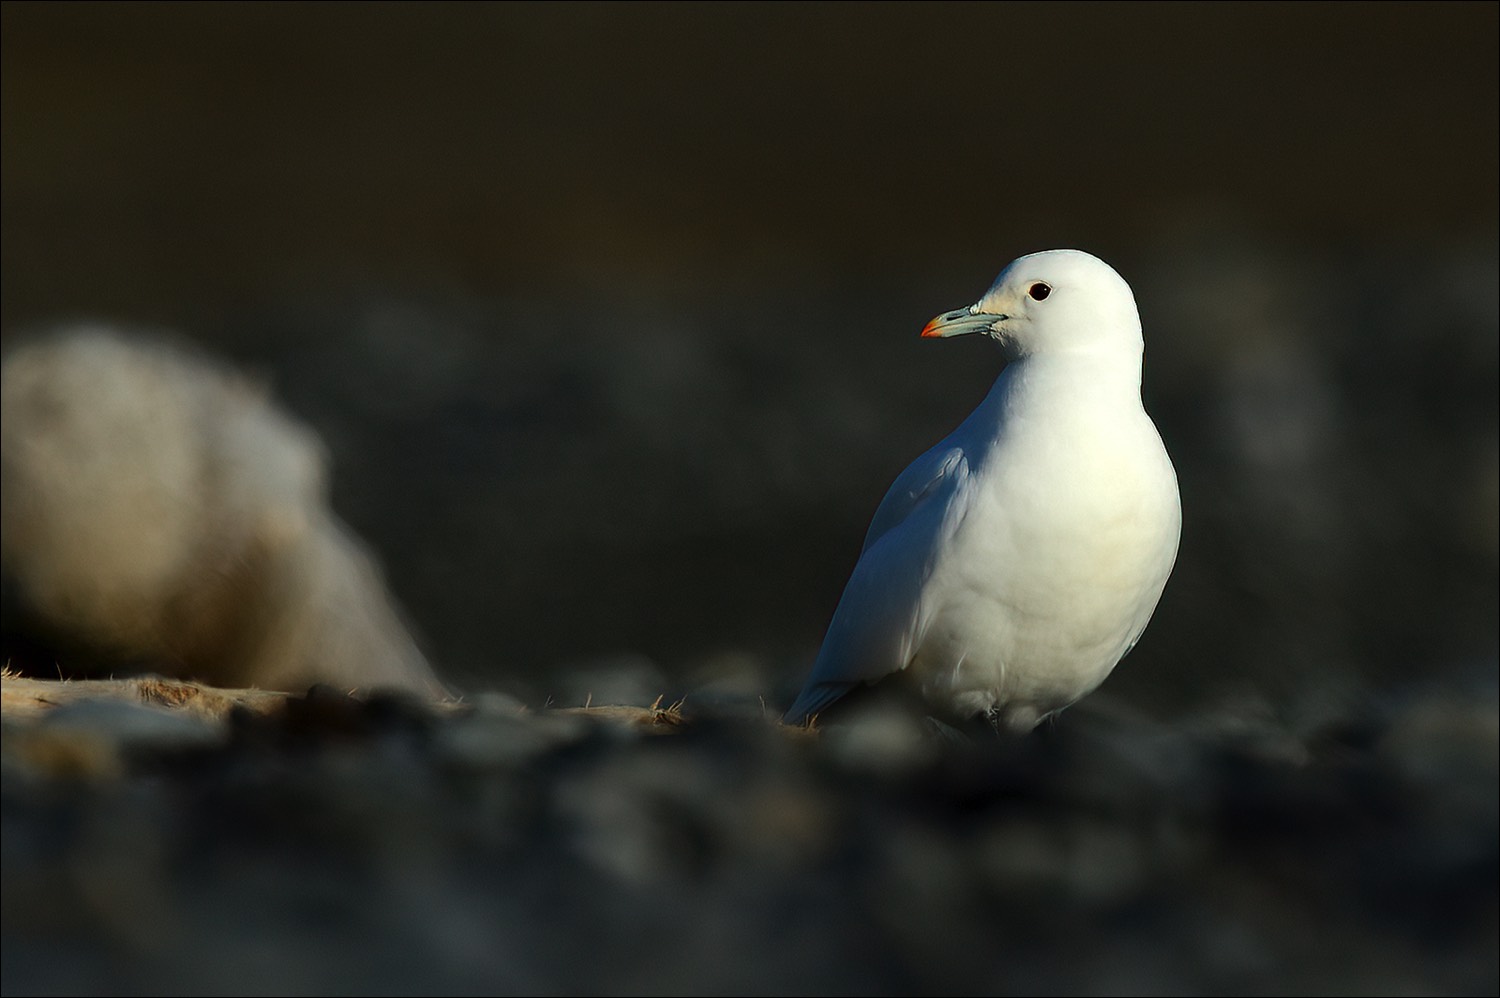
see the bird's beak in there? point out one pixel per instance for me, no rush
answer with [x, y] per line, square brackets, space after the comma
[961, 321]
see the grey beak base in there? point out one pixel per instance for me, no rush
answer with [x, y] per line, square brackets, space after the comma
[960, 322]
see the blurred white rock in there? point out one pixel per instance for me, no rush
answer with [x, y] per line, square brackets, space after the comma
[157, 507]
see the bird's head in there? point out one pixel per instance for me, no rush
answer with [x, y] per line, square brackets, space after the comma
[1054, 302]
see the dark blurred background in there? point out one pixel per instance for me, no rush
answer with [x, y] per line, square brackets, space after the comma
[608, 313]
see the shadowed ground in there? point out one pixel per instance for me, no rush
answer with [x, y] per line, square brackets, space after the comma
[329, 844]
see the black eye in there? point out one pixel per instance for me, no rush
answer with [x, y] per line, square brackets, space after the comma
[1039, 291]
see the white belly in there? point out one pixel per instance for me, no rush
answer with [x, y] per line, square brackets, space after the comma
[1022, 621]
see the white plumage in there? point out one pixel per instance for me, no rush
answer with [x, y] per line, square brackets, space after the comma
[1011, 566]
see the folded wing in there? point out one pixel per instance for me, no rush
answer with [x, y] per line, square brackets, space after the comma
[881, 617]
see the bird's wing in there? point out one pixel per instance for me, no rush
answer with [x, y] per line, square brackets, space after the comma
[925, 477]
[881, 617]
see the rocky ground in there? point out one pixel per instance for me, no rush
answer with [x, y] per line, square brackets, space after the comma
[199, 843]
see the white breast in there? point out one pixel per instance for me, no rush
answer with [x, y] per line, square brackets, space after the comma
[1071, 532]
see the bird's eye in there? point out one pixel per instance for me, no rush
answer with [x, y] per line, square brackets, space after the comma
[1039, 291]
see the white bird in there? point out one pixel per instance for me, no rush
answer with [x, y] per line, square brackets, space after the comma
[1010, 567]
